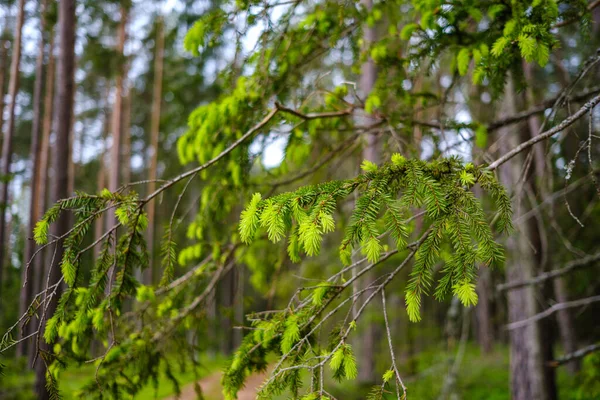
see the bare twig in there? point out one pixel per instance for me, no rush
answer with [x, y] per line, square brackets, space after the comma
[389, 336]
[545, 135]
[569, 267]
[575, 355]
[552, 310]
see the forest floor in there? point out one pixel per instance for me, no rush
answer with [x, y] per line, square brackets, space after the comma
[211, 388]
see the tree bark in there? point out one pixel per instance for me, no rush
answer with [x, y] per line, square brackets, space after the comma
[154, 133]
[566, 327]
[366, 346]
[34, 157]
[117, 129]
[60, 156]
[3, 61]
[226, 297]
[127, 138]
[529, 378]
[483, 311]
[101, 177]
[44, 163]
[538, 185]
[13, 90]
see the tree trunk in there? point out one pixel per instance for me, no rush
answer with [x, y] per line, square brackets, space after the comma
[34, 157]
[226, 300]
[537, 185]
[127, 138]
[563, 317]
[3, 61]
[529, 378]
[101, 177]
[44, 163]
[13, 90]
[38, 264]
[566, 328]
[117, 130]
[60, 156]
[483, 311]
[366, 346]
[154, 133]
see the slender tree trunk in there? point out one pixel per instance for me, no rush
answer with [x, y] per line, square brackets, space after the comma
[154, 133]
[127, 138]
[238, 305]
[44, 163]
[538, 188]
[226, 297]
[483, 311]
[563, 317]
[34, 157]
[60, 155]
[3, 62]
[566, 327]
[366, 347]
[38, 265]
[13, 90]
[101, 177]
[529, 378]
[117, 129]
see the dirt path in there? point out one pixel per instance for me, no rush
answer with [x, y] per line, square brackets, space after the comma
[211, 387]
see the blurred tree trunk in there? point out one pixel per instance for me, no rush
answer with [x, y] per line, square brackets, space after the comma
[483, 311]
[127, 138]
[34, 159]
[117, 128]
[7, 150]
[366, 346]
[238, 305]
[60, 158]
[154, 133]
[540, 188]
[566, 328]
[101, 176]
[3, 61]
[38, 264]
[529, 374]
[226, 300]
